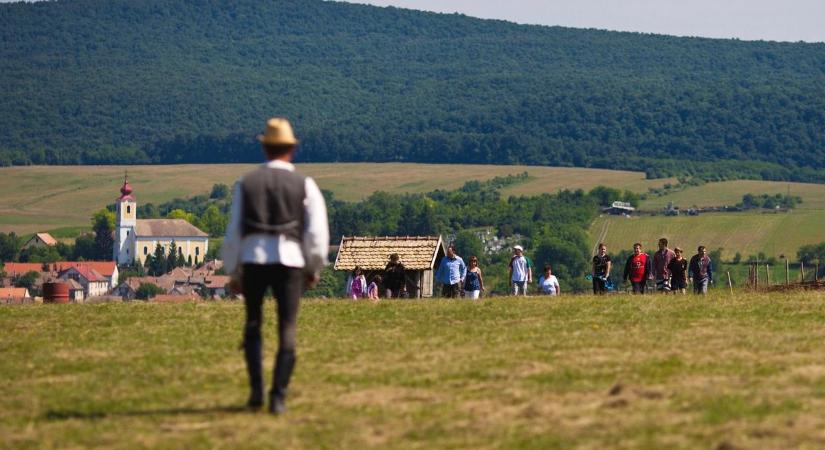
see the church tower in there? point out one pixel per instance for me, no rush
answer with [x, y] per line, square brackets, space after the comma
[125, 221]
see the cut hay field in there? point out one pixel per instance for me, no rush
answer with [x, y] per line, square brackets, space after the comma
[731, 192]
[748, 233]
[40, 198]
[743, 372]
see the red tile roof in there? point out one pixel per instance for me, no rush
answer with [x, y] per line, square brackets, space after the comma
[87, 273]
[47, 238]
[14, 269]
[105, 268]
[12, 292]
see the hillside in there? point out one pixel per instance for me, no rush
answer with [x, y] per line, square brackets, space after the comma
[46, 198]
[191, 81]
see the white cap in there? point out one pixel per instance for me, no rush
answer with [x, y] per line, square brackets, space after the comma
[518, 247]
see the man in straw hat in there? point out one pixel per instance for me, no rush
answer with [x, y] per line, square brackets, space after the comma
[278, 238]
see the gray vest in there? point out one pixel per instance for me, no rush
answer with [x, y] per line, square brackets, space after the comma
[273, 202]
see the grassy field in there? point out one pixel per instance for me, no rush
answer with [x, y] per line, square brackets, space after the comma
[743, 372]
[749, 233]
[42, 198]
[731, 192]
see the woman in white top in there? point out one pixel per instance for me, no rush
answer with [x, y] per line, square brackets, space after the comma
[548, 283]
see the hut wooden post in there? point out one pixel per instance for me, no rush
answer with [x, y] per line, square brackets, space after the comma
[730, 283]
[787, 272]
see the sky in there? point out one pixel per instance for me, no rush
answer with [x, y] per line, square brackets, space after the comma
[772, 20]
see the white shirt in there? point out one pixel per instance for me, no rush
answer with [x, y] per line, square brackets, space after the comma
[548, 285]
[261, 248]
[519, 265]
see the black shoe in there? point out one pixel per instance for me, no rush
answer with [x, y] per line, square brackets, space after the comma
[256, 401]
[277, 405]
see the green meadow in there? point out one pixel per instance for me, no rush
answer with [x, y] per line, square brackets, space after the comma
[743, 371]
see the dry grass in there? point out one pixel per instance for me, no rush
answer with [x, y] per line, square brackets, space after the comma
[575, 372]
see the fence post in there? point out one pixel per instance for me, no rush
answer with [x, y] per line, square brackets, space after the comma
[730, 283]
[767, 275]
[787, 272]
[756, 275]
[802, 271]
[816, 273]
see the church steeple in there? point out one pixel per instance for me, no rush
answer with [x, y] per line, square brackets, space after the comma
[126, 221]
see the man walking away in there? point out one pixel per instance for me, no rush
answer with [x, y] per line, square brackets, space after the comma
[700, 270]
[637, 269]
[451, 273]
[277, 238]
[661, 261]
[601, 270]
[395, 280]
[520, 272]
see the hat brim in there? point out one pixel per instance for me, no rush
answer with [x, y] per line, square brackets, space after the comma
[269, 141]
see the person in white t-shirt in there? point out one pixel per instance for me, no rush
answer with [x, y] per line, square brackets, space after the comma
[548, 283]
[520, 273]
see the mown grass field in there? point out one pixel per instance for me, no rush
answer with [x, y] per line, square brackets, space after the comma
[43, 198]
[744, 372]
[748, 233]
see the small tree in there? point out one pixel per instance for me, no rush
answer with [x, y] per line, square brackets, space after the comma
[147, 290]
[103, 224]
[27, 280]
[172, 256]
[159, 261]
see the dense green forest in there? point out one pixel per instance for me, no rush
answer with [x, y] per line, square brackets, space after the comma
[163, 81]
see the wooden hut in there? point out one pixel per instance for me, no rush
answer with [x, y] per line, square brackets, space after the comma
[419, 254]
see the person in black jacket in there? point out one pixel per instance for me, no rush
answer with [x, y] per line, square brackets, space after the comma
[395, 279]
[637, 269]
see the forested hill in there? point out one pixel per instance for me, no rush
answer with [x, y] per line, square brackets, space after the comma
[169, 81]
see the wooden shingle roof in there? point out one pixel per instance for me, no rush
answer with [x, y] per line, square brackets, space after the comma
[372, 253]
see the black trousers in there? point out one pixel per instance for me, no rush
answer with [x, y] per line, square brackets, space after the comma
[287, 285]
[599, 287]
[451, 290]
[640, 287]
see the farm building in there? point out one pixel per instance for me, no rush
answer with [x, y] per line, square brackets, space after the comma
[419, 254]
[40, 240]
[619, 208]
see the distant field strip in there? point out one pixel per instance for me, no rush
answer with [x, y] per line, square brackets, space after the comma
[748, 233]
[39, 198]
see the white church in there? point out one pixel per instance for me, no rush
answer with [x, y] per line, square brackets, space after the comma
[135, 238]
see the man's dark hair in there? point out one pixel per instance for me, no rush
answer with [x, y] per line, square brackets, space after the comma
[547, 267]
[634, 245]
[701, 247]
[663, 241]
[277, 150]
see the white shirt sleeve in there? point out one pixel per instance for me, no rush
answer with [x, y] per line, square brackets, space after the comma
[231, 248]
[316, 228]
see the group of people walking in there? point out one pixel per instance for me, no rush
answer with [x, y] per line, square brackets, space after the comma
[668, 268]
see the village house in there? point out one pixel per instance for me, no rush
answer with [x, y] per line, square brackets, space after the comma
[419, 254]
[94, 284]
[40, 240]
[136, 239]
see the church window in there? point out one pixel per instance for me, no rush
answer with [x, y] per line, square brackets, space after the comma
[180, 251]
[128, 209]
[145, 250]
[197, 251]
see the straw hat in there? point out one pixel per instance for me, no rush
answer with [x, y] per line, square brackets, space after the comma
[278, 132]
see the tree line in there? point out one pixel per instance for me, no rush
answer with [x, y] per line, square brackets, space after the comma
[177, 81]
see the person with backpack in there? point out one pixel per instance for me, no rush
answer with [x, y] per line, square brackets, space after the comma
[701, 271]
[637, 269]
